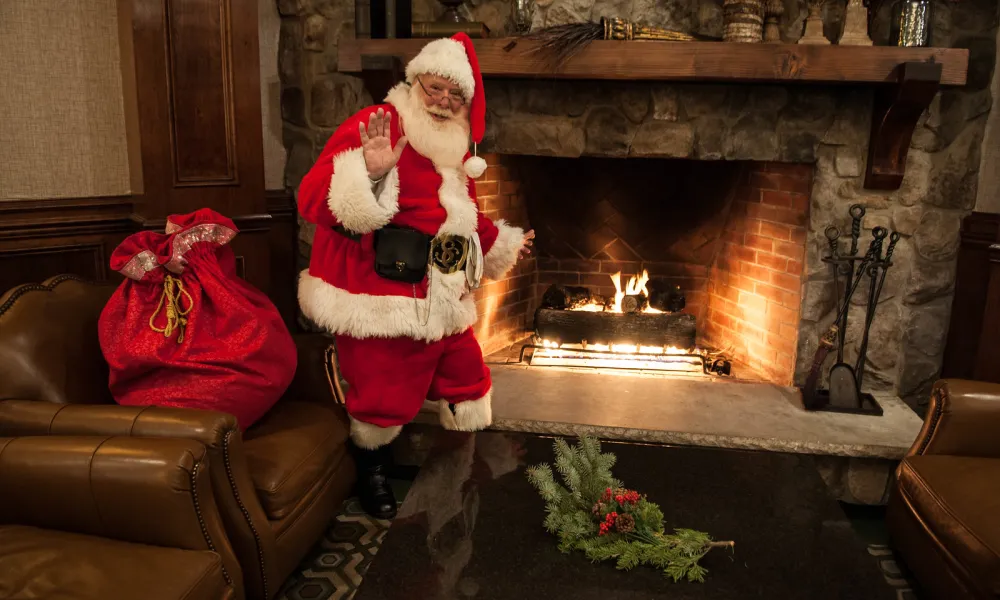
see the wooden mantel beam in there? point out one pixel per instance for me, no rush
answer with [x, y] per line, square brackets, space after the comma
[684, 61]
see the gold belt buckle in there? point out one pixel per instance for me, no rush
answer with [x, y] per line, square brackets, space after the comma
[449, 253]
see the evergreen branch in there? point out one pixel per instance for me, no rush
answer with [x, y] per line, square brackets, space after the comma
[575, 514]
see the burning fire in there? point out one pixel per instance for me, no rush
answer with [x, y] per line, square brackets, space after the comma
[623, 354]
[636, 286]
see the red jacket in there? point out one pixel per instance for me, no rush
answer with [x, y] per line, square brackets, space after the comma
[341, 291]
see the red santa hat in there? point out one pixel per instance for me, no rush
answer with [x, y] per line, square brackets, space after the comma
[455, 59]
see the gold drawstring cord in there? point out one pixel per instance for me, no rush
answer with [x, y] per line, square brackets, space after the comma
[173, 289]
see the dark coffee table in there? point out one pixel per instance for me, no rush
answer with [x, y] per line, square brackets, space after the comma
[471, 527]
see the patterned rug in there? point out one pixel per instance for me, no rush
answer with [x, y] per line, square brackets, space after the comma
[893, 572]
[335, 567]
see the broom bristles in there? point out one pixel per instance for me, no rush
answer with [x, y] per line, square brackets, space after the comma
[562, 42]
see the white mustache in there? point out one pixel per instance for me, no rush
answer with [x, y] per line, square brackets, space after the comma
[434, 110]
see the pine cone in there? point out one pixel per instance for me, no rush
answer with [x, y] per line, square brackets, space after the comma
[598, 509]
[625, 523]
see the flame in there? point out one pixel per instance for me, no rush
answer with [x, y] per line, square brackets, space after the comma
[634, 287]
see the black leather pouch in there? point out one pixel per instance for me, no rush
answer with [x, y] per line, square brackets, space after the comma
[401, 254]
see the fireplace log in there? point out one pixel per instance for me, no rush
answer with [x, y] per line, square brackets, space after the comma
[645, 329]
[665, 296]
[569, 296]
[633, 304]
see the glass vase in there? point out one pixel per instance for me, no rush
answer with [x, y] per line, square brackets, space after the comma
[522, 13]
[911, 23]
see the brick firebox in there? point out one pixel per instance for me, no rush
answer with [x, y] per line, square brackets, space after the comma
[505, 306]
[730, 234]
[754, 288]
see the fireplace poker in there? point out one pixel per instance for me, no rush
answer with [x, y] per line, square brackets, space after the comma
[842, 314]
[873, 296]
[857, 212]
[833, 237]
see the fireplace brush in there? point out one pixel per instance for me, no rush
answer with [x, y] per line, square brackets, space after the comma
[563, 42]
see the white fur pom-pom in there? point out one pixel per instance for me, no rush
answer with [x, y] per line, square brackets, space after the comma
[475, 166]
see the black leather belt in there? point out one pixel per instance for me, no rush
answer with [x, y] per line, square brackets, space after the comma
[347, 234]
[448, 253]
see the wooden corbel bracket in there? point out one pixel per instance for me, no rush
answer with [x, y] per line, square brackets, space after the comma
[897, 109]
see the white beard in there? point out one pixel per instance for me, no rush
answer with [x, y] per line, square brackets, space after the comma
[445, 143]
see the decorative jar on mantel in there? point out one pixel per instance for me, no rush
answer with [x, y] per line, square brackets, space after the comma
[744, 20]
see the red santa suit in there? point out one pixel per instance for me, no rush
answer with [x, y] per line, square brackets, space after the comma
[401, 343]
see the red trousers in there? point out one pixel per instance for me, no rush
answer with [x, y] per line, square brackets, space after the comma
[389, 379]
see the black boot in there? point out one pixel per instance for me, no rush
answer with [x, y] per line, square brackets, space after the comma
[372, 486]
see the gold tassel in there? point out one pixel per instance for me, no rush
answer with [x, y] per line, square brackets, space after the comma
[173, 289]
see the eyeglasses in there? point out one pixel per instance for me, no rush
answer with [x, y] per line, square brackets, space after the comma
[437, 92]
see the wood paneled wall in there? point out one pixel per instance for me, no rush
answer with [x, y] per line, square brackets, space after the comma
[191, 76]
[972, 350]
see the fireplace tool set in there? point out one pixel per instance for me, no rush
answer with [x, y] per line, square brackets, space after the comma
[844, 393]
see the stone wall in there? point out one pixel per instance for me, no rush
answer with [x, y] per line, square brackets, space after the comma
[824, 126]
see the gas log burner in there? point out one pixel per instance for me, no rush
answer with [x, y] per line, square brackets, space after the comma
[640, 327]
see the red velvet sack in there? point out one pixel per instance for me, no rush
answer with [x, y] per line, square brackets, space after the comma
[183, 330]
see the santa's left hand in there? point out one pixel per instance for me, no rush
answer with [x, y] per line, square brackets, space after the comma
[526, 245]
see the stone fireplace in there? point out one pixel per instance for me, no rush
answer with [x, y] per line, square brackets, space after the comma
[728, 190]
[781, 162]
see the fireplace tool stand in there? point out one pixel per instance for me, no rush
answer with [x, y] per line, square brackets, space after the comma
[844, 393]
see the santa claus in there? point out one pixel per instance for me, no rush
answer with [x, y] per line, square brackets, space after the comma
[400, 244]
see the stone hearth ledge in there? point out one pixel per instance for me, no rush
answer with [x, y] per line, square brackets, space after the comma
[693, 412]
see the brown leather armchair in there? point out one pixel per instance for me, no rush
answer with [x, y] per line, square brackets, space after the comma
[944, 508]
[277, 485]
[75, 521]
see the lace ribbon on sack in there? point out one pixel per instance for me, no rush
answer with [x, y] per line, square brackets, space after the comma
[176, 314]
[140, 264]
[182, 242]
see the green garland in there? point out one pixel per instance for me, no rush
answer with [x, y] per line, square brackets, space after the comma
[597, 515]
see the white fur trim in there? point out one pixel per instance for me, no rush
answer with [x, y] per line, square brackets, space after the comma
[503, 254]
[475, 167]
[452, 309]
[352, 199]
[473, 415]
[444, 57]
[462, 216]
[370, 437]
[478, 414]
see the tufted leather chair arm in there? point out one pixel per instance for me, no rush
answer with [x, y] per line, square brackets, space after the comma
[156, 492]
[963, 420]
[251, 536]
